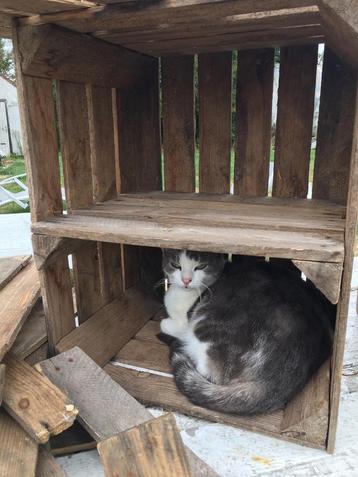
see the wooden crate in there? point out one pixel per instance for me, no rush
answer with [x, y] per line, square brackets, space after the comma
[128, 120]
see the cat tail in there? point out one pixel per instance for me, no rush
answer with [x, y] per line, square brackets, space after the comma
[240, 397]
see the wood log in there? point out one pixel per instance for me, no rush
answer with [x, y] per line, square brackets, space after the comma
[152, 449]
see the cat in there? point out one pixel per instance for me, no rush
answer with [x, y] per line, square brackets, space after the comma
[247, 336]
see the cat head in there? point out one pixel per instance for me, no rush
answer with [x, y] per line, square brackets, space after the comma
[187, 269]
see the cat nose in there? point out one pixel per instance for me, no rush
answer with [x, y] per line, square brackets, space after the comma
[186, 280]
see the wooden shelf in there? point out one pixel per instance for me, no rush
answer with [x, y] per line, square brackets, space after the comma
[285, 228]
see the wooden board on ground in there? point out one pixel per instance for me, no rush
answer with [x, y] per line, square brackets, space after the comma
[102, 335]
[40, 407]
[154, 355]
[16, 302]
[18, 452]
[152, 449]
[2, 380]
[105, 409]
[10, 266]
[47, 466]
[33, 333]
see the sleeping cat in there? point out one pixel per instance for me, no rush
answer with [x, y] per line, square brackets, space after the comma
[248, 337]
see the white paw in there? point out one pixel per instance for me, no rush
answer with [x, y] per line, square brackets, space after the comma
[173, 327]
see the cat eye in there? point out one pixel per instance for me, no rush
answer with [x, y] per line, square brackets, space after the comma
[201, 267]
[175, 265]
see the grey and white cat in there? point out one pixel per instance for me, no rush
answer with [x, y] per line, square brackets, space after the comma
[248, 336]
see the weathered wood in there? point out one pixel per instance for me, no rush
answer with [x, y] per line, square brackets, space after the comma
[104, 333]
[152, 449]
[40, 354]
[215, 121]
[342, 310]
[307, 415]
[219, 223]
[53, 52]
[145, 354]
[32, 334]
[10, 266]
[36, 404]
[105, 409]
[340, 21]
[294, 121]
[47, 249]
[16, 302]
[26, 7]
[5, 25]
[47, 466]
[254, 110]
[335, 130]
[2, 380]
[149, 331]
[178, 123]
[325, 276]
[18, 452]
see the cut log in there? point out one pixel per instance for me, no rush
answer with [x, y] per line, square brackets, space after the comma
[10, 266]
[16, 302]
[326, 277]
[38, 406]
[152, 449]
[105, 409]
[47, 466]
[105, 332]
[18, 452]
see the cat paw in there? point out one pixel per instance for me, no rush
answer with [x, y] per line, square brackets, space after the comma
[173, 327]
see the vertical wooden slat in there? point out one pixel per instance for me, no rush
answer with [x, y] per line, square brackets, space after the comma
[178, 123]
[75, 141]
[294, 121]
[215, 121]
[42, 166]
[335, 127]
[254, 110]
[342, 310]
[103, 158]
[139, 149]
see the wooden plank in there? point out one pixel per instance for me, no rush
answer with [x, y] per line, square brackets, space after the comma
[149, 332]
[47, 466]
[215, 121]
[53, 52]
[145, 354]
[45, 6]
[342, 310]
[325, 276]
[2, 381]
[38, 355]
[10, 266]
[294, 121]
[5, 25]
[32, 334]
[104, 333]
[254, 109]
[335, 129]
[36, 404]
[152, 449]
[16, 302]
[47, 250]
[307, 414]
[340, 20]
[105, 409]
[178, 123]
[76, 154]
[18, 452]
[74, 439]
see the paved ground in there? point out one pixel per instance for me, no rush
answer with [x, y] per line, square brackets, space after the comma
[232, 452]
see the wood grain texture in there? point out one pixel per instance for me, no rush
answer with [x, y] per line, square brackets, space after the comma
[335, 130]
[294, 121]
[18, 452]
[145, 354]
[2, 380]
[36, 404]
[10, 266]
[254, 109]
[44, 6]
[105, 409]
[149, 332]
[40, 354]
[215, 121]
[47, 466]
[104, 333]
[32, 334]
[16, 302]
[53, 52]
[178, 123]
[47, 249]
[152, 449]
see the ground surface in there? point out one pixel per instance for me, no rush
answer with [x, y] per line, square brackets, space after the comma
[232, 452]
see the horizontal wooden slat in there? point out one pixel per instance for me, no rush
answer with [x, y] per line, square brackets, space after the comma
[56, 53]
[10, 266]
[310, 231]
[145, 354]
[44, 6]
